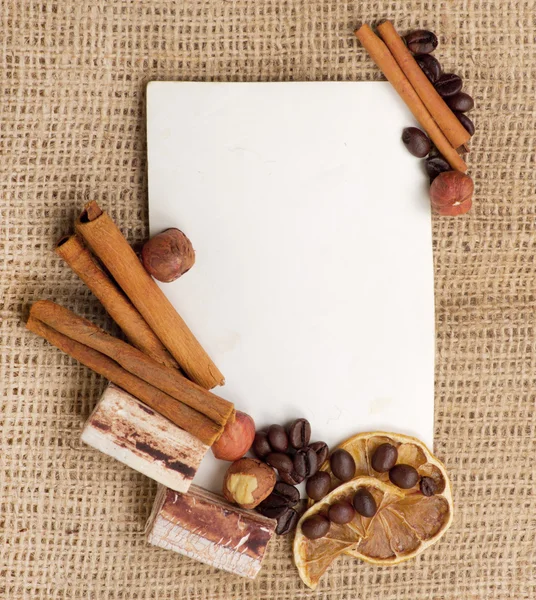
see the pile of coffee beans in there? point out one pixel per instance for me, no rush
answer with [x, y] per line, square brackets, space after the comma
[449, 86]
[290, 453]
[343, 467]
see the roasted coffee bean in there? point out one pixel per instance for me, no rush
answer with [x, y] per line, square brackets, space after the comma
[287, 522]
[318, 485]
[272, 512]
[261, 446]
[404, 476]
[466, 122]
[299, 433]
[436, 165]
[416, 141]
[384, 458]
[305, 462]
[292, 478]
[461, 102]
[448, 85]
[274, 501]
[322, 451]
[430, 66]
[421, 41]
[428, 486]
[341, 512]
[282, 462]
[278, 438]
[342, 465]
[364, 503]
[288, 492]
[315, 527]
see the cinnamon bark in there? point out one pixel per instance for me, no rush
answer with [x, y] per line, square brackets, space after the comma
[109, 244]
[381, 55]
[133, 360]
[185, 417]
[119, 307]
[454, 131]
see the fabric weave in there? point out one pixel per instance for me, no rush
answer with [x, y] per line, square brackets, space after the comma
[73, 76]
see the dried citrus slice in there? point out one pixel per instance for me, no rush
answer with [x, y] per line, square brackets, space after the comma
[403, 526]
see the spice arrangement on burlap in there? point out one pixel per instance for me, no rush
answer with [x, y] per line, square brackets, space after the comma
[73, 83]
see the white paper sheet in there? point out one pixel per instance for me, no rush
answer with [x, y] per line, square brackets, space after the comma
[313, 283]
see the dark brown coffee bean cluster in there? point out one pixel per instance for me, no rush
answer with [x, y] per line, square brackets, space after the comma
[295, 459]
[449, 86]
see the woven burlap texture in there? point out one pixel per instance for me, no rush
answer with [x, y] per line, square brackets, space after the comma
[73, 77]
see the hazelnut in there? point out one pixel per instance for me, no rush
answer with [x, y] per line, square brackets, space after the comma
[168, 255]
[451, 193]
[236, 438]
[248, 482]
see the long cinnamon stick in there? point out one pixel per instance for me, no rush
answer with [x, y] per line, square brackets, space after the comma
[454, 131]
[108, 243]
[185, 417]
[133, 360]
[122, 311]
[381, 55]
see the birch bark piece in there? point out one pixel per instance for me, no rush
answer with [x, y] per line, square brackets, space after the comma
[126, 429]
[203, 526]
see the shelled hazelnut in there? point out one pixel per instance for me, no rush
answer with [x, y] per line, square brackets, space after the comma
[248, 482]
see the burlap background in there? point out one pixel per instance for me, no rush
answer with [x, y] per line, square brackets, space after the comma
[73, 75]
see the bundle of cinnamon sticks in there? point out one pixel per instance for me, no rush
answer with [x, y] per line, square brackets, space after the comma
[402, 71]
[161, 341]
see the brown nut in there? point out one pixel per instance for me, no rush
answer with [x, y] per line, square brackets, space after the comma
[168, 255]
[248, 482]
[236, 438]
[451, 193]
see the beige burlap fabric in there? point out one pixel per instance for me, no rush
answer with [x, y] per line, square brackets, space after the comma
[73, 75]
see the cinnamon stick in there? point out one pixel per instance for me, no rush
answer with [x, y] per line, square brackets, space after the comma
[185, 417]
[133, 360]
[119, 307]
[108, 243]
[454, 131]
[381, 55]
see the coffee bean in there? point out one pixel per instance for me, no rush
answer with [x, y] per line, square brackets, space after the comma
[435, 166]
[288, 492]
[416, 141]
[261, 446]
[287, 522]
[430, 66]
[277, 436]
[292, 478]
[461, 102]
[421, 41]
[342, 465]
[404, 476]
[274, 501]
[282, 462]
[322, 451]
[299, 433]
[341, 512]
[466, 122]
[428, 486]
[448, 85]
[364, 503]
[315, 527]
[384, 458]
[272, 512]
[305, 462]
[318, 485]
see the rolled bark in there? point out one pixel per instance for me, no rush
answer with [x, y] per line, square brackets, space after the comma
[133, 360]
[108, 243]
[118, 306]
[185, 417]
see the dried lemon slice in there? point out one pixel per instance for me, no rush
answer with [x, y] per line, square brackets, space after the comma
[403, 526]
